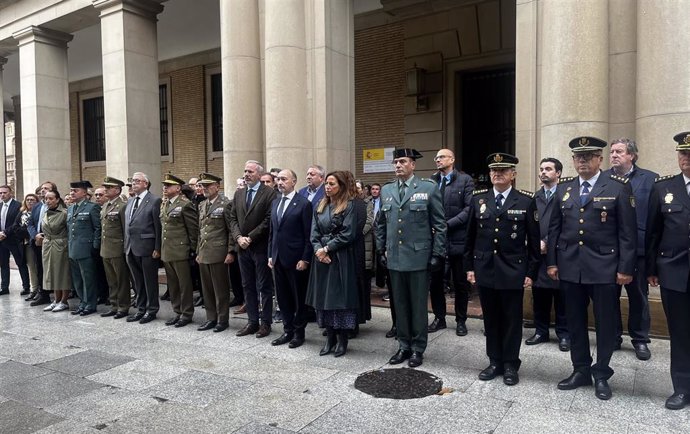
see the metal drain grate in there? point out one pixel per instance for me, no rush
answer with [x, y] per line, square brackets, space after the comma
[398, 383]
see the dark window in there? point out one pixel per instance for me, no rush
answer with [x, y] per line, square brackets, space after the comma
[216, 112]
[94, 129]
[163, 103]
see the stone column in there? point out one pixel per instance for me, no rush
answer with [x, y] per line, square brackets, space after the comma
[622, 69]
[3, 149]
[18, 166]
[45, 107]
[575, 76]
[130, 87]
[663, 109]
[241, 72]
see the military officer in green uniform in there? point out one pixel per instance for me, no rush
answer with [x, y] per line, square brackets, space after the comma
[112, 248]
[84, 241]
[214, 252]
[180, 231]
[410, 242]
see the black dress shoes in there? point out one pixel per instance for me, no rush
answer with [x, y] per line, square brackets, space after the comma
[31, 296]
[282, 340]
[491, 372]
[536, 339]
[393, 332]
[642, 351]
[677, 401]
[172, 321]
[199, 302]
[120, 315]
[234, 303]
[575, 380]
[182, 322]
[416, 359]
[136, 317]
[564, 344]
[248, 329]
[77, 311]
[25, 292]
[4, 292]
[109, 313]
[220, 327]
[510, 377]
[86, 312]
[147, 318]
[165, 296]
[461, 329]
[43, 299]
[436, 325]
[208, 325]
[602, 389]
[618, 344]
[296, 342]
[400, 357]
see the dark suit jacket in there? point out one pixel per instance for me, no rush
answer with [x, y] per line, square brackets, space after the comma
[32, 227]
[11, 228]
[456, 204]
[317, 197]
[253, 222]
[143, 229]
[289, 239]
[544, 209]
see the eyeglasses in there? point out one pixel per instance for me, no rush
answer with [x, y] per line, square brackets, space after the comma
[585, 157]
[98, 194]
[440, 157]
[138, 181]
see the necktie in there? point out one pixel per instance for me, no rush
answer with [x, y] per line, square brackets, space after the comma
[442, 185]
[4, 215]
[250, 193]
[548, 195]
[134, 208]
[499, 201]
[585, 193]
[281, 208]
[403, 188]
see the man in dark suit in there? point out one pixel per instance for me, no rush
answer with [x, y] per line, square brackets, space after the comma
[143, 246]
[545, 290]
[592, 248]
[623, 157]
[456, 190]
[668, 264]
[249, 223]
[289, 253]
[9, 242]
[84, 241]
[36, 236]
[314, 190]
[502, 258]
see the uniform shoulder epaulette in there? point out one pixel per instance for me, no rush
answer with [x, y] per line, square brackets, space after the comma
[390, 182]
[621, 179]
[429, 180]
[480, 191]
[664, 178]
[525, 192]
[566, 179]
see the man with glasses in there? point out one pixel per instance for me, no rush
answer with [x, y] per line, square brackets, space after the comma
[592, 249]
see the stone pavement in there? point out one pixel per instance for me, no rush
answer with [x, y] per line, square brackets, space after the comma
[60, 373]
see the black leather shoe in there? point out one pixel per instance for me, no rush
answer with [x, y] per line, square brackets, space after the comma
[86, 312]
[491, 372]
[393, 332]
[436, 325]
[136, 317]
[182, 322]
[248, 329]
[77, 311]
[25, 292]
[4, 292]
[618, 344]
[31, 296]
[296, 342]
[677, 401]
[602, 389]
[44, 299]
[120, 315]
[510, 377]
[199, 302]
[109, 313]
[416, 359]
[234, 303]
[536, 339]
[172, 321]
[282, 340]
[575, 380]
[220, 327]
[461, 329]
[165, 296]
[208, 325]
[642, 351]
[400, 357]
[564, 344]
[148, 317]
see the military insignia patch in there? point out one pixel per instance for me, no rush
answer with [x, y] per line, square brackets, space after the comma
[668, 198]
[482, 209]
[536, 216]
[566, 196]
[632, 201]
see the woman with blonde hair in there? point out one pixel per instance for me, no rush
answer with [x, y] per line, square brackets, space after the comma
[332, 289]
[22, 223]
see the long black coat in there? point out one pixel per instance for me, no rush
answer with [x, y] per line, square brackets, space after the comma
[457, 197]
[334, 286]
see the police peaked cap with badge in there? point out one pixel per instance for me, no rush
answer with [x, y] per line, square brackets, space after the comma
[109, 181]
[407, 152]
[586, 144]
[80, 184]
[501, 160]
[171, 179]
[207, 178]
[682, 141]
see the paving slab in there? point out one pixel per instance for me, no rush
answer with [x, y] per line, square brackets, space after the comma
[197, 388]
[49, 389]
[86, 363]
[17, 417]
[68, 426]
[15, 372]
[137, 375]
[527, 419]
[34, 350]
[255, 428]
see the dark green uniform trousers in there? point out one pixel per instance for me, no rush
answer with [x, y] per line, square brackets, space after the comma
[117, 273]
[179, 275]
[410, 292]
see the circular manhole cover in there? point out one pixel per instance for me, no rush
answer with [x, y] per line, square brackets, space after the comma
[398, 383]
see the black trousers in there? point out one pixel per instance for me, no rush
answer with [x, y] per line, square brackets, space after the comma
[502, 310]
[638, 312]
[38, 254]
[258, 285]
[144, 271]
[577, 297]
[542, 299]
[383, 278]
[438, 298]
[291, 291]
[236, 282]
[677, 309]
[8, 247]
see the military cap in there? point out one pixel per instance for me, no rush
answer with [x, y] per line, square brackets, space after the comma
[80, 184]
[109, 181]
[407, 152]
[171, 179]
[501, 160]
[586, 144]
[129, 182]
[207, 178]
[683, 141]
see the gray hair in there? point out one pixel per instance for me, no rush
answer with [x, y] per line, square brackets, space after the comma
[320, 169]
[259, 167]
[145, 176]
[630, 146]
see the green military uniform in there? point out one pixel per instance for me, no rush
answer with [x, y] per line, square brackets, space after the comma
[180, 231]
[112, 249]
[410, 231]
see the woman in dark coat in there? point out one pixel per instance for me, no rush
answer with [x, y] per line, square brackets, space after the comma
[364, 218]
[332, 289]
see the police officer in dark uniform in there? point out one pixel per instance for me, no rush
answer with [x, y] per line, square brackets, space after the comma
[668, 264]
[502, 258]
[592, 249]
